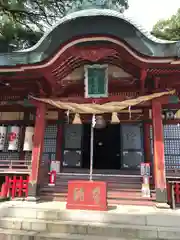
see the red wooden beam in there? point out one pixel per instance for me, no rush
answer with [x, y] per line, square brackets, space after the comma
[50, 78]
[143, 76]
[78, 88]
[93, 54]
[156, 82]
[64, 72]
[15, 108]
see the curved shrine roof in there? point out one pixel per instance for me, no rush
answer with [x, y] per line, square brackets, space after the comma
[103, 22]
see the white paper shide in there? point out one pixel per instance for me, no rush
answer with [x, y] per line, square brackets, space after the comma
[3, 132]
[28, 140]
[13, 138]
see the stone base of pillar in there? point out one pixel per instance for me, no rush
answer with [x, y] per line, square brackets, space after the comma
[161, 195]
[33, 192]
[163, 205]
[33, 199]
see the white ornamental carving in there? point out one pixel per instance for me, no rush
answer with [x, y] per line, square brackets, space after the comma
[14, 138]
[28, 140]
[3, 132]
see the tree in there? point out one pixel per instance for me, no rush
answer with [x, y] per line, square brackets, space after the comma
[168, 29]
[23, 22]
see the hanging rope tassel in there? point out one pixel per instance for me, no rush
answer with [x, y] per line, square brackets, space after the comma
[130, 115]
[177, 114]
[77, 119]
[114, 118]
[67, 114]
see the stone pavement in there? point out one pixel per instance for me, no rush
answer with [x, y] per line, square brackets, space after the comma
[41, 221]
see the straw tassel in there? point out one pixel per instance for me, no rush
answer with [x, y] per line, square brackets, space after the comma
[177, 114]
[114, 118]
[77, 119]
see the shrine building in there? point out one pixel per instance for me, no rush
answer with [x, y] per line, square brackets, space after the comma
[92, 63]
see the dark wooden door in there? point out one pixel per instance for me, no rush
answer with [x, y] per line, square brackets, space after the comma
[107, 147]
[132, 146]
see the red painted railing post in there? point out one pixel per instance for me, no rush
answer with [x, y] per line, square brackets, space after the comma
[20, 186]
[7, 183]
[4, 191]
[13, 182]
[26, 186]
[52, 178]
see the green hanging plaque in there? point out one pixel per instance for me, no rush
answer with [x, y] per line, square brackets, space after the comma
[173, 99]
[96, 81]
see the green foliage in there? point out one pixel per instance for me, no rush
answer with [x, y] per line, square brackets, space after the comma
[22, 22]
[119, 5]
[168, 29]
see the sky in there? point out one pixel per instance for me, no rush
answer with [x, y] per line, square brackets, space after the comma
[148, 12]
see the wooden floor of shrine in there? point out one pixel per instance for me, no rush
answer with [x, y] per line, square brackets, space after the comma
[123, 187]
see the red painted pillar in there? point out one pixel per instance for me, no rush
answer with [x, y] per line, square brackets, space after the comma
[159, 160]
[39, 131]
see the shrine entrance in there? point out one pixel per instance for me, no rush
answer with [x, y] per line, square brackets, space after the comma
[115, 147]
[107, 147]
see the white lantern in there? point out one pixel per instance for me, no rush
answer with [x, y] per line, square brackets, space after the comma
[14, 138]
[28, 140]
[3, 131]
[55, 166]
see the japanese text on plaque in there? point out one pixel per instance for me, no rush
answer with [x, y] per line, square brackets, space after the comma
[79, 194]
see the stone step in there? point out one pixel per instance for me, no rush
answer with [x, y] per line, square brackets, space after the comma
[109, 181]
[29, 211]
[65, 189]
[109, 186]
[114, 201]
[112, 180]
[120, 186]
[6, 234]
[125, 215]
[105, 230]
[129, 194]
[110, 195]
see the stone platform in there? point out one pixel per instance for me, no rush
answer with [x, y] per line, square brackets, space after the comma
[32, 221]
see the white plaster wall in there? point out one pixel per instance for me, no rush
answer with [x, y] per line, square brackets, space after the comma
[11, 115]
[114, 72]
[52, 115]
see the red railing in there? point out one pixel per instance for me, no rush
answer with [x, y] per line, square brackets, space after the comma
[16, 186]
[173, 192]
[15, 164]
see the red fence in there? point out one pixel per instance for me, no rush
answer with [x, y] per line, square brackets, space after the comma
[176, 192]
[16, 186]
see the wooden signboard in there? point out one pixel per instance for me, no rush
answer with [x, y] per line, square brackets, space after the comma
[87, 195]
